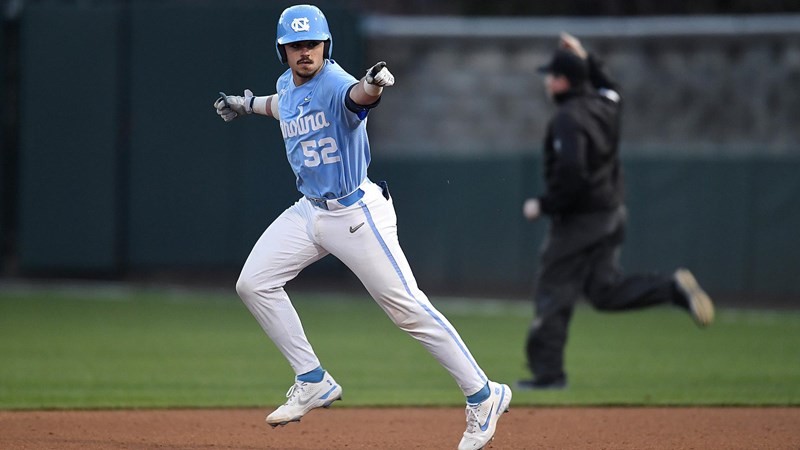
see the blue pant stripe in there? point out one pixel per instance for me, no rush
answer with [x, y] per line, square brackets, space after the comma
[408, 290]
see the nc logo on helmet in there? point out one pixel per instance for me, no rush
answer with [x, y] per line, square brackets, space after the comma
[300, 24]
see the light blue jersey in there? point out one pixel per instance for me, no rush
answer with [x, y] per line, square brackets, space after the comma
[326, 143]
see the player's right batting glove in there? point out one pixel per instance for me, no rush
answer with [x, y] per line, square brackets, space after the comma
[230, 107]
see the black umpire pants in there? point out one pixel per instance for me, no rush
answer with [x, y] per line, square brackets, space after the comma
[580, 259]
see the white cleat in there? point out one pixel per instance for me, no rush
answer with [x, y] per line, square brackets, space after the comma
[303, 397]
[700, 304]
[482, 418]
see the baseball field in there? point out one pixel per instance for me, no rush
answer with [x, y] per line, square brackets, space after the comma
[132, 367]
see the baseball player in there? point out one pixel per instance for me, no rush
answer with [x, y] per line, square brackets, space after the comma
[322, 112]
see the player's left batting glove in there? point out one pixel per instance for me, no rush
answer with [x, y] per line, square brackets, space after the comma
[230, 107]
[379, 75]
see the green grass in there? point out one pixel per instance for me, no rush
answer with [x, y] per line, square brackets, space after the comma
[115, 348]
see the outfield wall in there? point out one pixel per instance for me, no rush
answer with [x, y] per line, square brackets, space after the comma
[124, 168]
[733, 222]
[124, 163]
[3, 158]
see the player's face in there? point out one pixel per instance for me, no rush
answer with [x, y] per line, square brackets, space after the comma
[305, 58]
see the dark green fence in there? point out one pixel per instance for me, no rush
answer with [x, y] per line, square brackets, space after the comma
[4, 158]
[124, 167]
[67, 153]
[733, 222]
[124, 164]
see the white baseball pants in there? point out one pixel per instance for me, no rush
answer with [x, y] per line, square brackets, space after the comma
[364, 237]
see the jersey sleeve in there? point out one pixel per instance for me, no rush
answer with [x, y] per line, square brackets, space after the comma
[602, 81]
[344, 82]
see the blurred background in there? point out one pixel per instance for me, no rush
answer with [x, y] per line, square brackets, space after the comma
[116, 168]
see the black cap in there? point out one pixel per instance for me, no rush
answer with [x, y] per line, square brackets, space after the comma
[568, 64]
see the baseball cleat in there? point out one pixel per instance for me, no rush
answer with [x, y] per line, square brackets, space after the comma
[303, 397]
[482, 418]
[700, 304]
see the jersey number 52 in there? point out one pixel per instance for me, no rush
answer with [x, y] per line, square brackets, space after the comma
[324, 151]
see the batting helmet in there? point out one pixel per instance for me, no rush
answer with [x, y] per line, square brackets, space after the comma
[302, 23]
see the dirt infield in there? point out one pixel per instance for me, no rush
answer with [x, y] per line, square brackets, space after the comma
[405, 428]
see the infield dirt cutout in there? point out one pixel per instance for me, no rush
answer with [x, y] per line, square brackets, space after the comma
[405, 428]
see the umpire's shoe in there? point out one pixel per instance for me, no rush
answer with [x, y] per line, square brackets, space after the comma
[303, 397]
[542, 384]
[699, 302]
[482, 418]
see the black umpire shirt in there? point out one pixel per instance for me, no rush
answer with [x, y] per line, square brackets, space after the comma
[581, 155]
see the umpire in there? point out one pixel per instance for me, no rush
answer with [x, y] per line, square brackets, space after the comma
[585, 202]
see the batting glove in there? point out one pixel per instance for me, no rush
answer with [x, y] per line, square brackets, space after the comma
[230, 107]
[379, 75]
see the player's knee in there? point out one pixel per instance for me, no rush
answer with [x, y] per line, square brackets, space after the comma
[408, 323]
[405, 320]
[250, 287]
[246, 286]
[243, 287]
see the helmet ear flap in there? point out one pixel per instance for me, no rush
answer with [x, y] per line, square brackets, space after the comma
[326, 50]
[282, 54]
